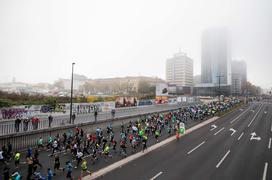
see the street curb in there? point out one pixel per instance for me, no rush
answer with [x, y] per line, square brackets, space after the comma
[123, 162]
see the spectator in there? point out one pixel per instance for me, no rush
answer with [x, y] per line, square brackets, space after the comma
[50, 120]
[95, 115]
[17, 124]
[73, 118]
[25, 123]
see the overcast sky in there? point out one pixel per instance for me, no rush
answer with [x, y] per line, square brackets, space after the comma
[106, 38]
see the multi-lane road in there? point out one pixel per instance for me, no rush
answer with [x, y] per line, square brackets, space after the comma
[236, 147]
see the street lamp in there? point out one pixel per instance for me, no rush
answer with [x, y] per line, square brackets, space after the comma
[71, 100]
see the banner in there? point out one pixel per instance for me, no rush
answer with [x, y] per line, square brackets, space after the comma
[125, 101]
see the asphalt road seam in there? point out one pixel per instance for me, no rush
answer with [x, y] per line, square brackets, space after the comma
[269, 144]
[255, 116]
[196, 148]
[219, 131]
[265, 171]
[224, 157]
[240, 136]
[157, 175]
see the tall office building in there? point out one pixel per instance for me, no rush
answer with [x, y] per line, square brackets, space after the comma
[239, 67]
[216, 55]
[238, 75]
[179, 70]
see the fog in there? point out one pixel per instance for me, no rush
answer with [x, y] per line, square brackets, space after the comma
[40, 39]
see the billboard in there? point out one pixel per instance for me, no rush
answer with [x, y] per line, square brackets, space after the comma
[161, 89]
[123, 101]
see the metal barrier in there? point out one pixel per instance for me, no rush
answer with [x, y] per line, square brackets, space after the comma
[9, 127]
[22, 140]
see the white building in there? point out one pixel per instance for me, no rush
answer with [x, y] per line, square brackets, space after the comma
[179, 70]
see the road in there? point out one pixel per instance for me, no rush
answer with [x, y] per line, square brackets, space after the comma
[230, 151]
[48, 161]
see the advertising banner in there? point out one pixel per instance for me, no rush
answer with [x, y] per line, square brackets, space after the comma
[125, 101]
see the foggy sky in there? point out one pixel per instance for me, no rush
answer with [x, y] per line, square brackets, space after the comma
[40, 39]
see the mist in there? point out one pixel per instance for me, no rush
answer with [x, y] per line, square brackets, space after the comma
[40, 39]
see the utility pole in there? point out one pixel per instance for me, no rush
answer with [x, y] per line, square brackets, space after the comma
[71, 99]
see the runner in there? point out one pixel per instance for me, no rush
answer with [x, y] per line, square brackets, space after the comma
[79, 156]
[69, 169]
[17, 159]
[49, 174]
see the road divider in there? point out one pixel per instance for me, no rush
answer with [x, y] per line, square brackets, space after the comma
[269, 143]
[157, 175]
[265, 171]
[222, 160]
[196, 148]
[239, 116]
[240, 136]
[219, 131]
[255, 116]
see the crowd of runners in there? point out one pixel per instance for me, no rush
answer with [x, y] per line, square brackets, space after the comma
[85, 150]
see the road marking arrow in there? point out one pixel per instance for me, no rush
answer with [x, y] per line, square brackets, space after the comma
[254, 138]
[213, 127]
[233, 131]
[252, 110]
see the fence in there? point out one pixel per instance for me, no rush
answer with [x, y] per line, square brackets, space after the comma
[25, 139]
[8, 127]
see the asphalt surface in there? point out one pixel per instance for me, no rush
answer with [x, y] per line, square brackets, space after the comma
[48, 161]
[212, 153]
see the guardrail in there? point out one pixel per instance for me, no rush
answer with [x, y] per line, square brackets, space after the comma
[9, 127]
[22, 140]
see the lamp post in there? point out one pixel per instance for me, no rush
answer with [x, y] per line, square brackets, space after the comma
[71, 100]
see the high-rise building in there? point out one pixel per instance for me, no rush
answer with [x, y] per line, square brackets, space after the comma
[216, 55]
[179, 70]
[239, 67]
[238, 75]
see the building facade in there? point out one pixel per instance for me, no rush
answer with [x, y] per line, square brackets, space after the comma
[216, 56]
[179, 70]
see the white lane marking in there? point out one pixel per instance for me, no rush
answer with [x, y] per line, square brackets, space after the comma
[157, 175]
[269, 144]
[213, 127]
[219, 131]
[233, 131]
[265, 171]
[128, 159]
[240, 136]
[238, 116]
[271, 127]
[254, 117]
[195, 148]
[220, 162]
